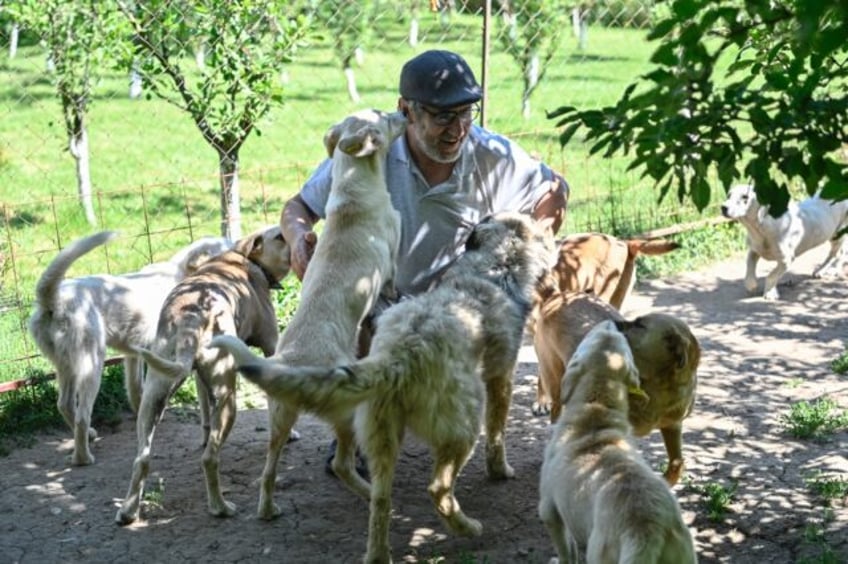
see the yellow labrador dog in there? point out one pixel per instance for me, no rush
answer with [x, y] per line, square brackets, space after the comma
[354, 261]
[435, 360]
[76, 319]
[228, 295]
[666, 352]
[598, 498]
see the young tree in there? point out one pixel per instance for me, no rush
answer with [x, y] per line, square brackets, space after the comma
[348, 23]
[531, 33]
[76, 35]
[246, 43]
[777, 112]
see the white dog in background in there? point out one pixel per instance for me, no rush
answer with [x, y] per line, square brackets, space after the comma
[598, 498]
[75, 320]
[804, 226]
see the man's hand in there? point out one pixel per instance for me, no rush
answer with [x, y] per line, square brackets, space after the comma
[302, 251]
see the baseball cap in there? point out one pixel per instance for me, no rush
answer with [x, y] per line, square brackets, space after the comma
[441, 79]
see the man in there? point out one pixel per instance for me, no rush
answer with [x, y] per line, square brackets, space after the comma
[444, 175]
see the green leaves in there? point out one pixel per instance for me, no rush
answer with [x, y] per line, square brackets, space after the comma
[778, 105]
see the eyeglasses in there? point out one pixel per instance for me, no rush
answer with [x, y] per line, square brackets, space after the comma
[445, 118]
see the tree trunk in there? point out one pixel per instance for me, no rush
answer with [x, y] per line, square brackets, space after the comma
[351, 84]
[73, 112]
[78, 146]
[200, 55]
[13, 41]
[230, 198]
[413, 32]
[135, 82]
[580, 26]
[531, 80]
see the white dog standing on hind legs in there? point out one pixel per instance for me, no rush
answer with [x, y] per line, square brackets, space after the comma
[805, 225]
[598, 497]
[353, 263]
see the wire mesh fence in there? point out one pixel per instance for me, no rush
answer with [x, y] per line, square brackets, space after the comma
[257, 95]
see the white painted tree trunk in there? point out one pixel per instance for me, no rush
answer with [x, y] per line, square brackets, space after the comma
[351, 85]
[78, 146]
[200, 56]
[413, 32]
[13, 41]
[228, 169]
[580, 27]
[531, 80]
[135, 82]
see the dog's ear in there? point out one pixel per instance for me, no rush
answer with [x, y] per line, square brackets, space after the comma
[475, 237]
[679, 347]
[331, 139]
[363, 142]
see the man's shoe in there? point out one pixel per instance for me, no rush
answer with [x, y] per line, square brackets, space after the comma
[361, 464]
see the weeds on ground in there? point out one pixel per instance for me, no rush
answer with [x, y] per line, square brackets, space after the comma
[33, 408]
[154, 493]
[814, 420]
[716, 497]
[840, 363]
[829, 489]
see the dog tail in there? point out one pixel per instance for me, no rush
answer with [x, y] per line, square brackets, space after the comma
[650, 246]
[320, 389]
[171, 368]
[636, 247]
[48, 285]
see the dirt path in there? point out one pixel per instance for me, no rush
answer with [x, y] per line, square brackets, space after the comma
[758, 358]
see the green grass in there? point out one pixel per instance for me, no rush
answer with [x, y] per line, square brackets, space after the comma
[156, 179]
[716, 498]
[840, 364]
[32, 409]
[814, 420]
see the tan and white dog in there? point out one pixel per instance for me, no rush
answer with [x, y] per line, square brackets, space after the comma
[76, 319]
[228, 295]
[804, 226]
[353, 263]
[666, 353]
[435, 360]
[598, 498]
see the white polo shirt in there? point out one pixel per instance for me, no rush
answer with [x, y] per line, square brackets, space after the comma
[491, 175]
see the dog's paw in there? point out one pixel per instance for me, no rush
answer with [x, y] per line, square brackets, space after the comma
[771, 295]
[81, 459]
[222, 508]
[674, 471]
[541, 408]
[268, 511]
[751, 286]
[464, 526]
[125, 517]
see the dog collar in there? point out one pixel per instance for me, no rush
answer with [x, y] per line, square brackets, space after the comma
[273, 283]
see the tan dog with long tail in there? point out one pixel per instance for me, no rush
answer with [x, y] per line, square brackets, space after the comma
[228, 295]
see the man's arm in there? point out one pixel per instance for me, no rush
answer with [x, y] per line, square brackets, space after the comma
[296, 223]
[550, 209]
